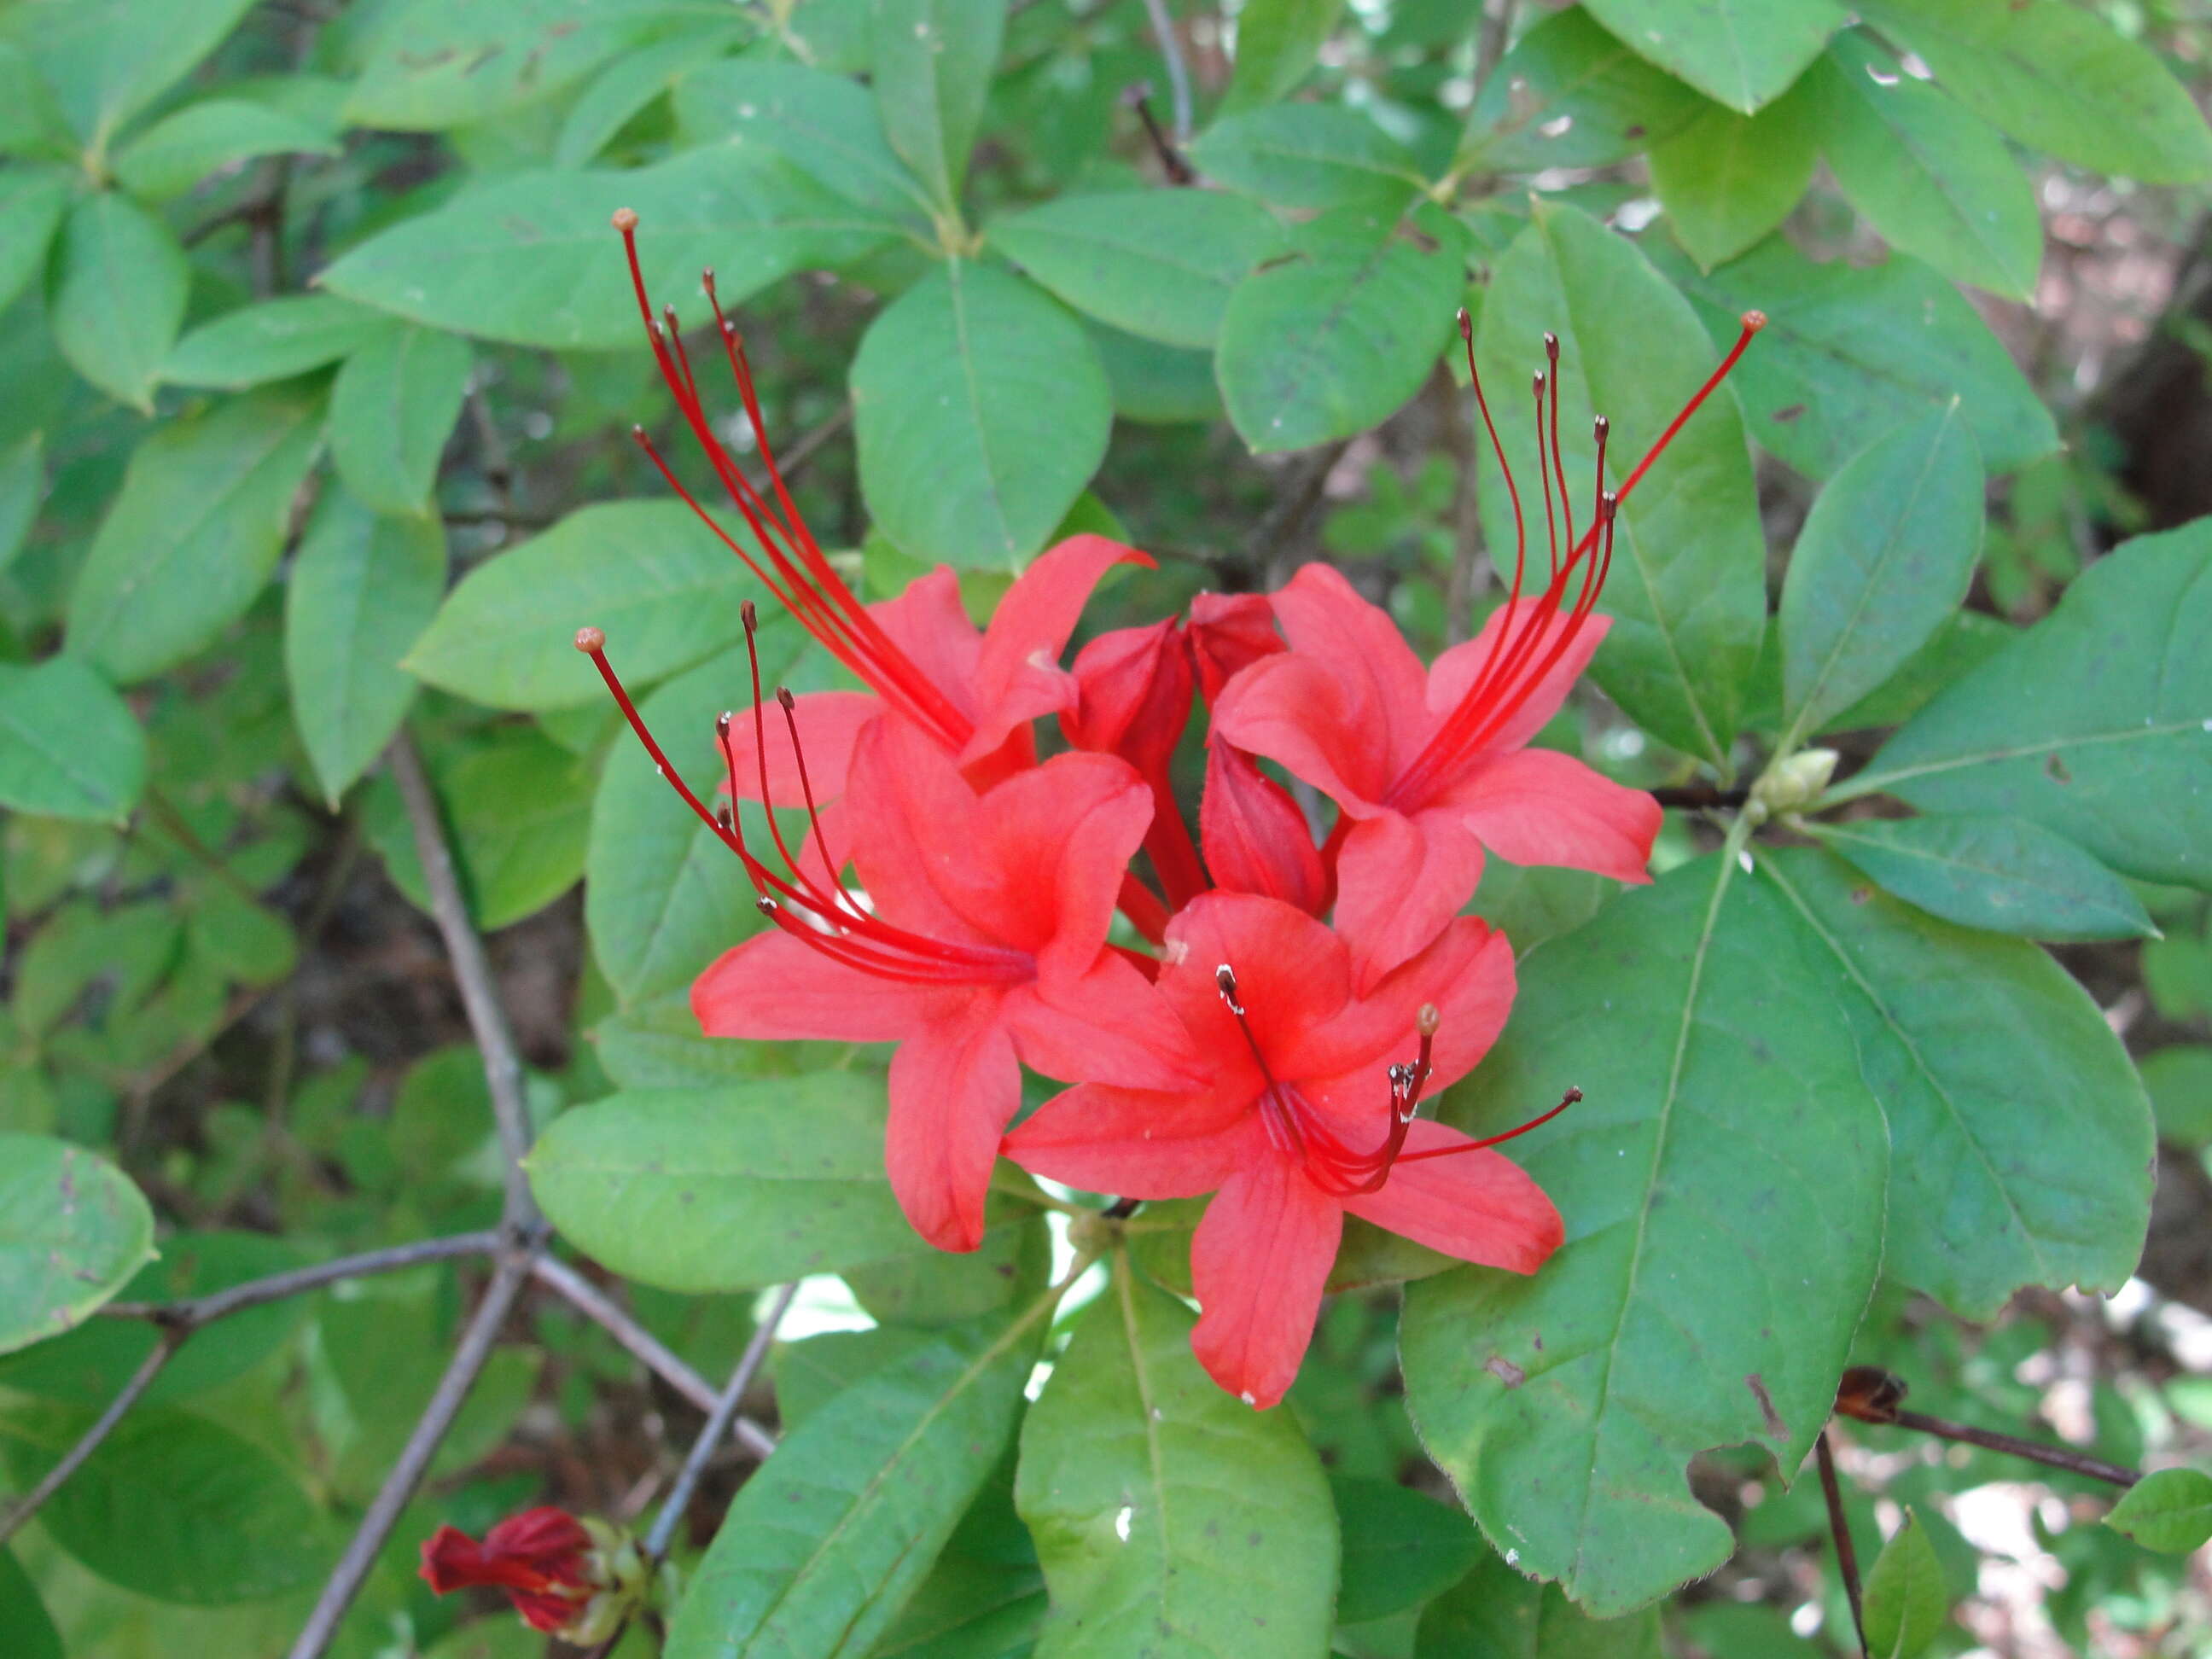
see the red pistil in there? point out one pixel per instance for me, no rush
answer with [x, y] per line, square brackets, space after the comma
[1519, 658]
[1295, 1128]
[785, 556]
[826, 918]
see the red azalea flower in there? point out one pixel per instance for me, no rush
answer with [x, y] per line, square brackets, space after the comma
[1430, 767]
[1305, 1112]
[974, 691]
[543, 1558]
[979, 947]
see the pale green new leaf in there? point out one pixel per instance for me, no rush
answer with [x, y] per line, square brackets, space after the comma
[1687, 593]
[718, 1189]
[1170, 1517]
[1721, 1182]
[2170, 1510]
[76, 1231]
[980, 411]
[362, 591]
[392, 409]
[2022, 1141]
[2096, 723]
[1906, 1606]
[195, 533]
[1727, 178]
[648, 573]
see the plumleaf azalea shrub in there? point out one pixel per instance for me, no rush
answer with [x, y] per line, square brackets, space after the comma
[923, 828]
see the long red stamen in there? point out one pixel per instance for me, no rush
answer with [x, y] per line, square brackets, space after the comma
[1559, 458]
[1565, 1101]
[1544, 475]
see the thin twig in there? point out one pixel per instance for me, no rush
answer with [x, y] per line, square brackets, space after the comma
[1274, 540]
[1699, 796]
[1847, 1555]
[472, 972]
[602, 1311]
[461, 1371]
[2056, 1457]
[717, 1427]
[1138, 98]
[1170, 45]
[191, 1314]
[810, 443]
[141, 1380]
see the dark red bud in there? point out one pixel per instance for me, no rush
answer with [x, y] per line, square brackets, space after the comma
[1869, 1393]
[1228, 632]
[1136, 686]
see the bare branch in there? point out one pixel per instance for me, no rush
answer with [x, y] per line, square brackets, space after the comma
[2036, 1451]
[1847, 1554]
[1170, 45]
[472, 972]
[186, 1316]
[461, 1372]
[602, 1311]
[141, 1380]
[718, 1426]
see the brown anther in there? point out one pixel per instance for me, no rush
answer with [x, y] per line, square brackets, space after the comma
[750, 617]
[1224, 980]
[636, 433]
[1607, 504]
[1465, 324]
[1428, 1019]
[590, 641]
[1551, 348]
[625, 219]
[706, 279]
[1602, 425]
[1869, 1394]
[723, 817]
[1539, 379]
[722, 723]
[784, 697]
[1754, 320]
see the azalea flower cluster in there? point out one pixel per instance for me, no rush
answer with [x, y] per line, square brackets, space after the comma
[1256, 1011]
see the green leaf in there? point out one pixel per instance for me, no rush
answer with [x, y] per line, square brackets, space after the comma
[2006, 875]
[26, 1631]
[70, 748]
[1928, 174]
[1496, 1613]
[1571, 95]
[2180, 1081]
[22, 490]
[180, 150]
[824, 125]
[1158, 263]
[392, 409]
[1400, 1547]
[529, 259]
[76, 1230]
[1309, 156]
[272, 340]
[981, 412]
[2170, 1511]
[119, 296]
[1883, 561]
[633, 81]
[172, 1506]
[2096, 723]
[1333, 338]
[1727, 178]
[1964, 642]
[1688, 589]
[362, 591]
[521, 809]
[440, 63]
[1850, 353]
[1741, 52]
[193, 536]
[1277, 44]
[33, 198]
[829, 1536]
[723, 1189]
[934, 61]
[2057, 78]
[1170, 1517]
[1155, 383]
[1721, 1182]
[2022, 1141]
[936, 1287]
[106, 59]
[1906, 1605]
[93, 1362]
[663, 589]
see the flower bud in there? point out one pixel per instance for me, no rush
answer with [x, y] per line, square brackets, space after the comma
[577, 1580]
[1135, 686]
[1796, 781]
[1229, 631]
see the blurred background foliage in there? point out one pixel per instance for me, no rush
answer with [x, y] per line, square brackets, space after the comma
[317, 370]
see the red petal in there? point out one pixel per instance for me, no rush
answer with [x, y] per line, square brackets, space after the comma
[1052, 844]
[1467, 976]
[776, 986]
[1135, 686]
[1017, 675]
[1258, 1262]
[1256, 839]
[1458, 669]
[913, 821]
[930, 625]
[1292, 976]
[1108, 1025]
[451, 1560]
[1316, 722]
[544, 1534]
[955, 1085]
[1136, 1143]
[1229, 632]
[1538, 806]
[1399, 880]
[828, 724]
[1479, 1206]
[1325, 617]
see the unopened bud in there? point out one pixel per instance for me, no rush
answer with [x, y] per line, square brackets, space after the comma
[1869, 1394]
[1795, 782]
